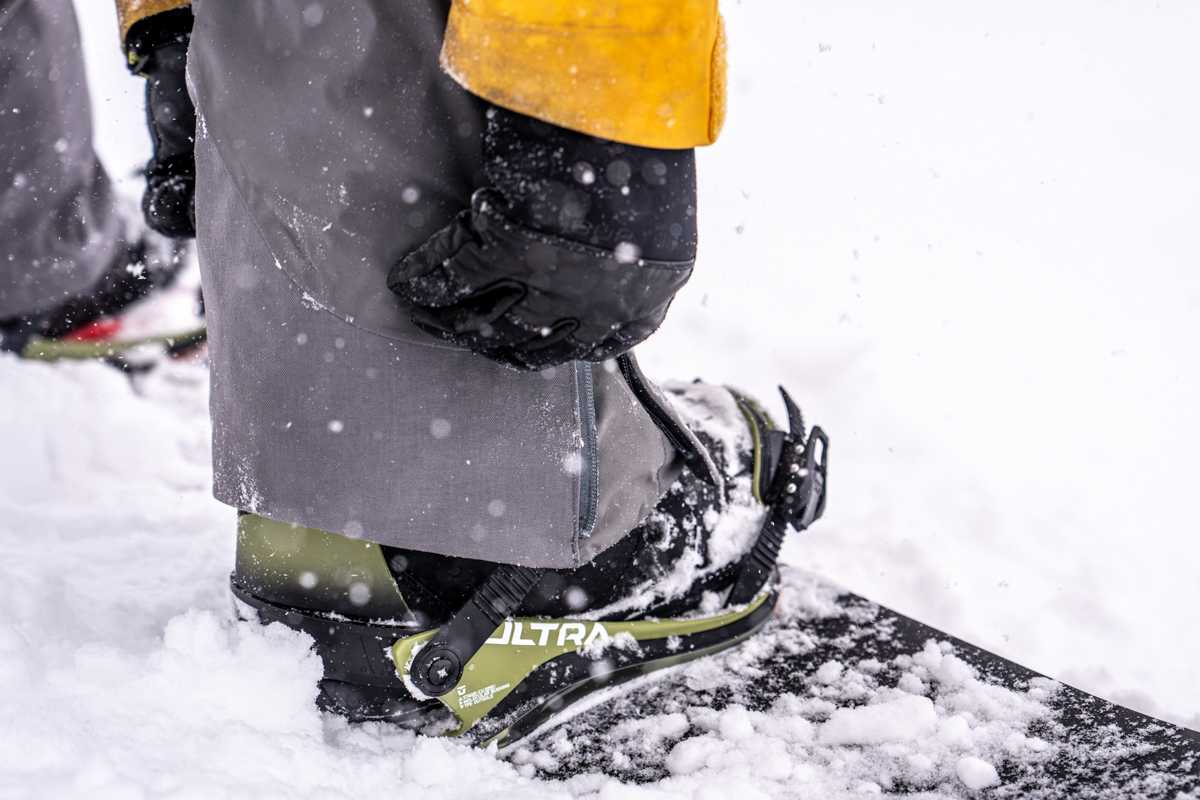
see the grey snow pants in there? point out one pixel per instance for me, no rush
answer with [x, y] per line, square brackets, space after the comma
[59, 227]
[330, 144]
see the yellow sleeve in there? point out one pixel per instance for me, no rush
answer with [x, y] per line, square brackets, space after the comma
[131, 11]
[642, 72]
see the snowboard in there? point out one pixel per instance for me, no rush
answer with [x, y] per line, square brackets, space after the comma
[838, 695]
[132, 354]
[168, 324]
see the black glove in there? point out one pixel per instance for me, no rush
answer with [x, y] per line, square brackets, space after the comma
[574, 254]
[157, 48]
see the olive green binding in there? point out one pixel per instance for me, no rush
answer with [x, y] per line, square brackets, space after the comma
[58, 350]
[520, 646]
[510, 735]
[316, 570]
[749, 407]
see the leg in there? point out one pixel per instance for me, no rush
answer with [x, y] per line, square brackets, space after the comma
[59, 229]
[330, 410]
[388, 478]
[67, 257]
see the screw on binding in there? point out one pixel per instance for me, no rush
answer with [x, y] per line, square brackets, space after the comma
[438, 667]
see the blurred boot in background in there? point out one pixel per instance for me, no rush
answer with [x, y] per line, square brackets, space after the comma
[70, 261]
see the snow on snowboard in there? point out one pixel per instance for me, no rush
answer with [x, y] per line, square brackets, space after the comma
[838, 694]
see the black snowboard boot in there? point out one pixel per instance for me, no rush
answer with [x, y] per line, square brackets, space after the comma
[490, 650]
[94, 324]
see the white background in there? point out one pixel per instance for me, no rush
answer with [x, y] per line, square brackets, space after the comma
[966, 237]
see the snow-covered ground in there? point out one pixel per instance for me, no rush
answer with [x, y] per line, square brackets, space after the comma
[966, 237]
[963, 236]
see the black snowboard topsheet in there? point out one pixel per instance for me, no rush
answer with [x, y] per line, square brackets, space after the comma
[805, 687]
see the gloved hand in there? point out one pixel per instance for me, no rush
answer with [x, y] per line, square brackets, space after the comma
[157, 47]
[574, 251]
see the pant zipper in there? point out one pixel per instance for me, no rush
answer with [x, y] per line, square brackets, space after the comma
[589, 467]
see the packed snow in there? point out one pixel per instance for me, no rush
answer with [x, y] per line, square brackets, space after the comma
[963, 237]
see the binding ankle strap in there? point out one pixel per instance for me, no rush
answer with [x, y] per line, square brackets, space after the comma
[438, 667]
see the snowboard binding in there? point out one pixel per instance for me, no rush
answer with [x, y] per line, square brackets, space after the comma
[137, 313]
[789, 478]
[486, 673]
[510, 653]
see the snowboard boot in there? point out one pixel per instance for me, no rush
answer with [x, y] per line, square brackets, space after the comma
[123, 312]
[494, 651]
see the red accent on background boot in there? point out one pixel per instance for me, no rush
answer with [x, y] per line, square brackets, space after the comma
[98, 330]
